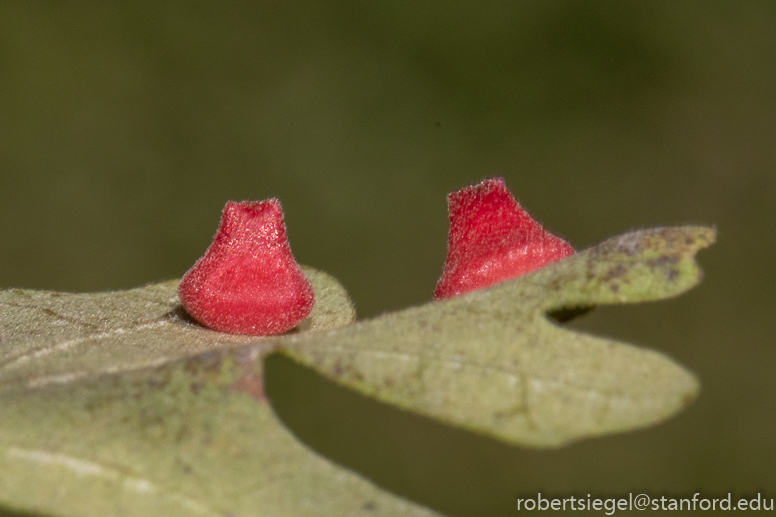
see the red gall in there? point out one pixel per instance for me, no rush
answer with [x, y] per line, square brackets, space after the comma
[492, 238]
[248, 281]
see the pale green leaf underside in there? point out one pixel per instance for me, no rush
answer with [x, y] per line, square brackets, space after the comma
[86, 429]
[491, 360]
[115, 404]
[50, 338]
[174, 442]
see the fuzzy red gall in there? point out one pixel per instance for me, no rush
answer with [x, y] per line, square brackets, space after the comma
[248, 281]
[492, 238]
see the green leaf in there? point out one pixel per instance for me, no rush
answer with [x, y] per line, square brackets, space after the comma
[118, 404]
[50, 338]
[89, 428]
[493, 362]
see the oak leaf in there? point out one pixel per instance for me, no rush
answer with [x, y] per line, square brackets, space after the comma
[118, 404]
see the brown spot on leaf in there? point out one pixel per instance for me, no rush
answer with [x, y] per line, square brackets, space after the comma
[252, 383]
[207, 364]
[250, 371]
[667, 260]
[614, 273]
[196, 387]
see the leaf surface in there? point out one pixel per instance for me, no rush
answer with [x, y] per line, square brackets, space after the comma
[106, 410]
[117, 404]
[493, 362]
[49, 337]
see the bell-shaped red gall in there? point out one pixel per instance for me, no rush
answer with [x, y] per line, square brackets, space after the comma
[248, 281]
[492, 238]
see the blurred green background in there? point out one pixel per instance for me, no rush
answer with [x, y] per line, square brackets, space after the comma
[125, 127]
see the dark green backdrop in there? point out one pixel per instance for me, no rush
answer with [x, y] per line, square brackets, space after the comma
[125, 127]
